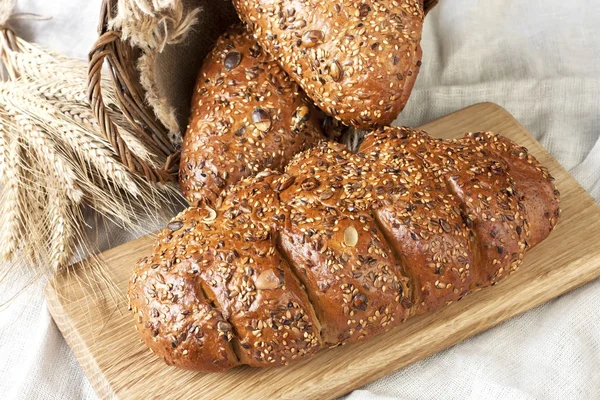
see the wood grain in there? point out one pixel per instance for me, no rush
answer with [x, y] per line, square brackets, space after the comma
[100, 330]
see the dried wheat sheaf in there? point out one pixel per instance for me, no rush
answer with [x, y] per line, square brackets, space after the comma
[54, 161]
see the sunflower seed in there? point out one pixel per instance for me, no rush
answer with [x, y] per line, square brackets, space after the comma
[359, 301]
[326, 195]
[268, 280]
[301, 115]
[335, 71]
[175, 225]
[212, 215]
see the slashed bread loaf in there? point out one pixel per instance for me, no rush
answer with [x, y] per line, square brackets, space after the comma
[339, 248]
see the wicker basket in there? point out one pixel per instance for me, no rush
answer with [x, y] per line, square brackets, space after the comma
[121, 59]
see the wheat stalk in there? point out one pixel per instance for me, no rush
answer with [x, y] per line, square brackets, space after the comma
[62, 79]
[4, 151]
[76, 109]
[24, 59]
[50, 168]
[30, 202]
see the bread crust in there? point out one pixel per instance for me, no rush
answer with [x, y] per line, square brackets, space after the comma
[172, 314]
[421, 217]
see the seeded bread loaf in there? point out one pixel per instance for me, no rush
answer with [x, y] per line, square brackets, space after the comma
[357, 60]
[247, 115]
[339, 248]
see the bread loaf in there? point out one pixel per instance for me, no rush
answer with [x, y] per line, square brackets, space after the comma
[357, 60]
[339, 248]
[247, 115]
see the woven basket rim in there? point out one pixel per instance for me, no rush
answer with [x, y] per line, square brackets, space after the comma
[120, 58]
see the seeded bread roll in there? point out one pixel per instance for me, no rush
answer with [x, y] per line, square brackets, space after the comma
[247, 115]
[340, 247]
[357, 60]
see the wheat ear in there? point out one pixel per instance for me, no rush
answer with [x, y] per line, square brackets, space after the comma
[10, 234]
[77, 110]
[46, 151]
[87, 147]
[64, 164]
[71, 94]
[24, 59]
[4, 150]
[65, 80]
[60, 239]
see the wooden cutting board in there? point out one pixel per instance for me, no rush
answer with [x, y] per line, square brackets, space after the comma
[99, 329]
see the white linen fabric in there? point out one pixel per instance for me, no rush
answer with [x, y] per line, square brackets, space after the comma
[540, 59]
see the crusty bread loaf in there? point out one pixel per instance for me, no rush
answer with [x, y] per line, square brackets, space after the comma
[339, 248]
[247, 115]
[357, 60]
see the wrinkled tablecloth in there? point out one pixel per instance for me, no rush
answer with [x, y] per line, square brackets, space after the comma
[540, 59]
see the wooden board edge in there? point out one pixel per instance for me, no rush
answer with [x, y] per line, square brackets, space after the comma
[72, 337]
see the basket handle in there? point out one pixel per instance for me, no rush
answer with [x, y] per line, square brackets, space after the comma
[110, 48]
